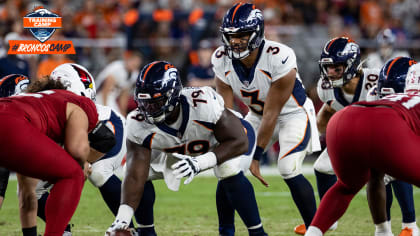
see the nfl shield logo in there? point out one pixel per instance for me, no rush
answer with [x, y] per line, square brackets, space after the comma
[43, 23]
[246, 83]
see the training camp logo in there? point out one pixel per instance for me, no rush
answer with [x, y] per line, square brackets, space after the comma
[42, 24]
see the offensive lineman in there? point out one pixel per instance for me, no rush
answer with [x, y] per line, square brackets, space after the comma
[178, 132]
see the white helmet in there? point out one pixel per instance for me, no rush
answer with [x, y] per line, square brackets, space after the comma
[76, 79]
[412, 81]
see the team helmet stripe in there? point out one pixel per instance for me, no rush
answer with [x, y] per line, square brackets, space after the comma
[148, 68]
[234, 11]
[390, 65]
[332, 41]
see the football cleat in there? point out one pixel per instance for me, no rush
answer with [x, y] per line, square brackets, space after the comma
[406, 232]
[300, 229]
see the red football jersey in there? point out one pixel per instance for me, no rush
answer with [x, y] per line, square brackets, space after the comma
[407, 104]
[46, 110]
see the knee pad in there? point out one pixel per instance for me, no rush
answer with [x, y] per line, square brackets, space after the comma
[100, 174]
[228, 168]
[323, 163]
[291, 165]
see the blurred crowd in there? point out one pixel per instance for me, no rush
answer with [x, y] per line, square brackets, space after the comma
[185, 32]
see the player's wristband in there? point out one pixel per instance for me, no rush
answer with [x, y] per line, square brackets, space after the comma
[206, 161]
[125, 213]
[258, 153]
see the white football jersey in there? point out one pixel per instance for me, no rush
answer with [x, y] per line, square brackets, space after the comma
[201, 108]
[274, 61]
[372, 94]
[375, 60]
[337, 99]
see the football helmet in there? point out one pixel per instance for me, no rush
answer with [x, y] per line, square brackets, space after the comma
[340, 51]
[13, 84]
[386, 37]
[393, 74]
[242, 19]
[157, 92]
[412, 81]
[76, 79]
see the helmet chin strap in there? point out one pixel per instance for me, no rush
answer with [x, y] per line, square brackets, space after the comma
[337, 83]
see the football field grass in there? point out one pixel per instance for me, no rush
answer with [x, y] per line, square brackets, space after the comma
[192, 211]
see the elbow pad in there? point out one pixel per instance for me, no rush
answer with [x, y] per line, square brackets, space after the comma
[101, 138]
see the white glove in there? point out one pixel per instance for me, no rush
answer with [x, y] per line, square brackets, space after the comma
[117, 225]
[187, 166]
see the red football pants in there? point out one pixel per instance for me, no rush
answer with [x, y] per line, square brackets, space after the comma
[29, 152]
[360, 139]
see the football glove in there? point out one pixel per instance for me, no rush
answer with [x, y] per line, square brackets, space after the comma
[187, 166]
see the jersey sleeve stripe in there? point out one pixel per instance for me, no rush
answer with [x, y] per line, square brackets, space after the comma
[266, 73]
[147, 143]
[206, 125]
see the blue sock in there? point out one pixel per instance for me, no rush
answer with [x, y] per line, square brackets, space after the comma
[42, 201]
[324, 182]
[111, 193]
[389, 199]
[404, 193]
[225, 212]
[144, 212]
[303, 195]
[241, 195]
[41, 206]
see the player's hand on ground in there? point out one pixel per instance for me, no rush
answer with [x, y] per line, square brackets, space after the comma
[187, 166]
[117, 225]
[255, 171]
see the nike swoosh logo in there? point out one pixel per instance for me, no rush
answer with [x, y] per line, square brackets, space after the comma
[284, 61]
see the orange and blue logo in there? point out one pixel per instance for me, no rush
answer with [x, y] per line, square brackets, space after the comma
[42, 24]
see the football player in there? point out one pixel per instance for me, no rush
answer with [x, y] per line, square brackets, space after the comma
[77, 79]
[35, 123]
[342, 83]
[263, 74]
[179, 132]
[386, 49]
[10, 85]
[358, 158]
[392, 80]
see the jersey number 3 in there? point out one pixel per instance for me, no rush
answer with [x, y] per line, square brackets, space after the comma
[256, 105]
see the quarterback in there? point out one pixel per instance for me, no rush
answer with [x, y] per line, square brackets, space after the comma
[263, 74]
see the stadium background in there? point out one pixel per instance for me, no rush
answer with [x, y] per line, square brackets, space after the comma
[177, 30]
